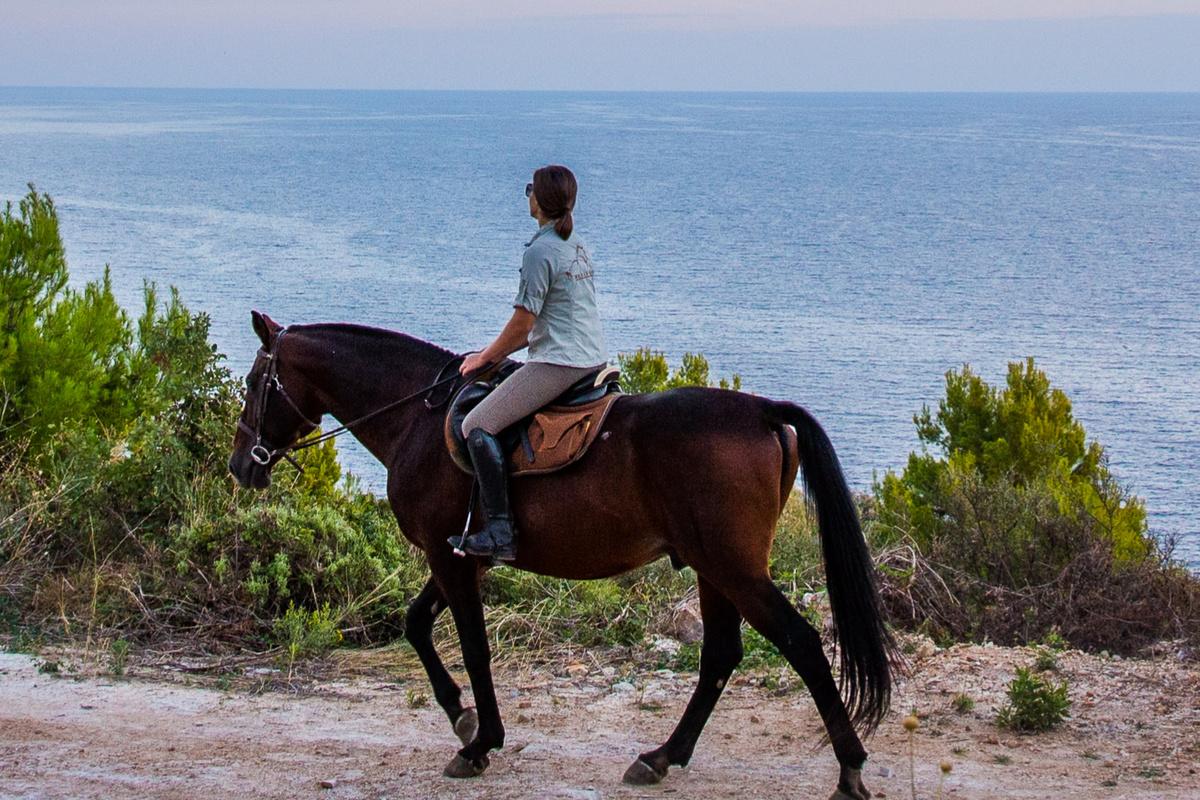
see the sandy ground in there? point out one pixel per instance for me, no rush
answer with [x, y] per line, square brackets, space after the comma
[572, 729]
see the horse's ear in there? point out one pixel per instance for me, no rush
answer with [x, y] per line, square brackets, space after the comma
[266, 328]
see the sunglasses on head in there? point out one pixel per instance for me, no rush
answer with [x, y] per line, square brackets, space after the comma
[528, 189]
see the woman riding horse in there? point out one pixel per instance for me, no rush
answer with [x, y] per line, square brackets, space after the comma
[698, 475]
[555, 315]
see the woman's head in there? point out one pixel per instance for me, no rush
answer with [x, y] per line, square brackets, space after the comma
[554, 190]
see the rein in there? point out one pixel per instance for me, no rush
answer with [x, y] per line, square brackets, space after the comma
[262, 453]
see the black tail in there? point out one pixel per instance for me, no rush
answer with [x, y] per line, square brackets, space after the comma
[866, 647]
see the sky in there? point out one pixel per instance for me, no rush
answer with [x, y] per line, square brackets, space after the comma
[754, 45]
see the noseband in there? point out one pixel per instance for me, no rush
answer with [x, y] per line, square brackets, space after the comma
[262, 452]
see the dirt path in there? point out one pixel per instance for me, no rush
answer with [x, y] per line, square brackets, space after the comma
[1134, 733]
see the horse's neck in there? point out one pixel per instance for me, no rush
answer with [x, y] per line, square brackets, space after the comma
[357, 375]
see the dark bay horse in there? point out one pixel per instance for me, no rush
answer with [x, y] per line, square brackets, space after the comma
[700, 475]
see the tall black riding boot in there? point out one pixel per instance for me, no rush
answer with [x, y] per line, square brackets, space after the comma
[497, 539]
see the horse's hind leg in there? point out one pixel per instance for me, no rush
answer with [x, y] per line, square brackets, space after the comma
[418, 629]
[719, 655]
[772, 614]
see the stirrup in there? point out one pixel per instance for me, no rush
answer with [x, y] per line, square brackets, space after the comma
[504, 556]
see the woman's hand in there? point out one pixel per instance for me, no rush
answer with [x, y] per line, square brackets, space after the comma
[514, 336]
[471, 363]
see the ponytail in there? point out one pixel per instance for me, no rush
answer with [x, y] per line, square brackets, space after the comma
[564, 226]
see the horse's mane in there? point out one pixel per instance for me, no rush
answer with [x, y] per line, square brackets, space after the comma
[381, 338]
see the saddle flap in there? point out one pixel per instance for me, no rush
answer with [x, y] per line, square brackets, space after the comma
[561, 435]
[553, 427]
[557, 435]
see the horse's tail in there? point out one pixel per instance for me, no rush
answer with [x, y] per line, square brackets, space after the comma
[867, 650]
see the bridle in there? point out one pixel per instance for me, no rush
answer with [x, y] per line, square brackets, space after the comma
[263, 452]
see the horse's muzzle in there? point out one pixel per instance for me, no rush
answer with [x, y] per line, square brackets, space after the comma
[249, 473]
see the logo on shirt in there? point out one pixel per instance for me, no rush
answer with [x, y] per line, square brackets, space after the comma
[581, 265]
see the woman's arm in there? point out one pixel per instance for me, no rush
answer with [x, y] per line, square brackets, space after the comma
[514, 336]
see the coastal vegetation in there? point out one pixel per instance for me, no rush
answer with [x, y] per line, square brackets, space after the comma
[118, 521]
[1008, 525]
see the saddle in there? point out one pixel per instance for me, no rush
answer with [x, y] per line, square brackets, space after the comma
[547, 440]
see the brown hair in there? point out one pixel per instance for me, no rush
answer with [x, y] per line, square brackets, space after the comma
[555, 187]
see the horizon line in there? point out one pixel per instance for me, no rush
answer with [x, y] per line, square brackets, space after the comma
[465, 90]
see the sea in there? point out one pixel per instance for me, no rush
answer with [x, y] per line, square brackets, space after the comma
[842, 251]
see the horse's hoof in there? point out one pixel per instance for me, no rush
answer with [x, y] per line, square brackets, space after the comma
[462, 767]
[859, 794]
[467, 725]
[850, 786]
[642, 774]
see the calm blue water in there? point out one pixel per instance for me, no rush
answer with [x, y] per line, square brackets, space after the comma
[841, 251]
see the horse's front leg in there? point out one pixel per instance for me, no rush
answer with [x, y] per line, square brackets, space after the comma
[460, 583]
[418, 629]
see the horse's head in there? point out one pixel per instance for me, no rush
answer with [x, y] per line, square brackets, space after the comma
[276, 412]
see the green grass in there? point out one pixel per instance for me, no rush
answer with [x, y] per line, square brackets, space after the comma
[118, 657]
[306, 633]
[963, 703]
[1045, 661]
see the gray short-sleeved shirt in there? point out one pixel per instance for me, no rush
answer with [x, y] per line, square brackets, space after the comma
[557, 287]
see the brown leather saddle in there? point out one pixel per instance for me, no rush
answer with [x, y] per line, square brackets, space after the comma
[547, 440]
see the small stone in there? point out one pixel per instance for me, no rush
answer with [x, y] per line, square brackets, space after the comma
[621, 687]
[666, 647]
[328, 783]
[755, 719]
[654, 697]
[577, 670]
[884, 772]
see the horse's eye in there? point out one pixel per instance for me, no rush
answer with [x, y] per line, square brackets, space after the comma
[249, 381]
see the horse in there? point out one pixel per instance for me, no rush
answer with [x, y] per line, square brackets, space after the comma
[700, 475]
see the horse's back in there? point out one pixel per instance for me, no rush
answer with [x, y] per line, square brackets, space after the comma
[674, 472]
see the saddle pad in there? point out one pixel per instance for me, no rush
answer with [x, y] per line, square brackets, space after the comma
[558, 436]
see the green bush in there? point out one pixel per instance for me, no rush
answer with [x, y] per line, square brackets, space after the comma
[65, 354]
[647, 370]
[1022, 436]
[115, 502]
[1019, 529]
[1034, 704]
[304, 633]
